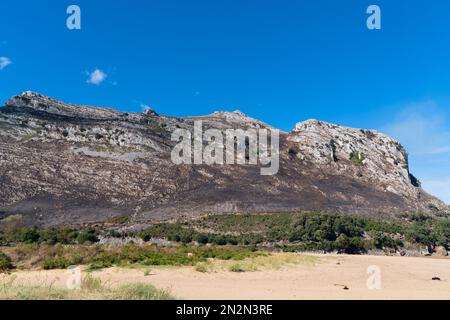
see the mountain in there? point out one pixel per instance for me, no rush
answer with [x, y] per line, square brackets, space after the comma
[69, 164]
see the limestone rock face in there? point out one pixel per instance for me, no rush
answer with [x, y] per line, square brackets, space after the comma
[363, 154]
[45, 104]
[68, 164]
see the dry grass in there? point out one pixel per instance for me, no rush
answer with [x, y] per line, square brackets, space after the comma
[91, 289]
[272, 261]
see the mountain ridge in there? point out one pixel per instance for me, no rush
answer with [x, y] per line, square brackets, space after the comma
[67, 164]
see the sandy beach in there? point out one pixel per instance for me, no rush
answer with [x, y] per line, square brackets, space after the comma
[331, 277]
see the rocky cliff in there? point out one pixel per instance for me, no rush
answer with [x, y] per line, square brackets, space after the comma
[68, 164]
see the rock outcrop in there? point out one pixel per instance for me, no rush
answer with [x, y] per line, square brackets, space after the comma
[68, 164]
[365, 155]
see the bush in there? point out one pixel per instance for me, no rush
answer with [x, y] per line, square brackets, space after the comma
[236, 268]
[87, 236]
[55, 263]
[98, 265]
[308, 231]
[202, 238]
[357, 157]
[186, 237]
[5, 263]
[29, 235]
[219, 240]
[201, 267]
[311, 231]
[380, 240]
[420, 234]
[23, 235]
[342, 242]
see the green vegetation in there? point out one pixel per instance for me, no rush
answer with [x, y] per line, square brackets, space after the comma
[178, 233]
[308, 231]
[141, 292]
[357, 157]
[263, 261]
[201, 267]
[91, 289]
[222, 237]
[100, 256]
[237, 268]
[86, 237]
[11, 235]
[5, 263]
[119, 220]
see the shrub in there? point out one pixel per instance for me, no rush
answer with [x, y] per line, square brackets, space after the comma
[381, 240]
[186, 237]
[342, 242]
[202, 238]
[357, 157]
[236, 268]
[55, 263]
[201, 267]
[98, 265]
[420, 234]
[441, 233]
[219, 240]
[87, 236]
[5, 263]
[29, 235]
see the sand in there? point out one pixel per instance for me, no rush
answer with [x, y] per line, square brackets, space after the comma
[401, 278]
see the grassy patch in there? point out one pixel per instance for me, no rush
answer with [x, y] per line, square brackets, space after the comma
[141, 292]
[237, 268]
[201, 267]
[91, 289]
[268, 261]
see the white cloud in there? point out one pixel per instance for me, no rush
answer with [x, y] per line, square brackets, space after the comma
[96, 77]
[4, 62]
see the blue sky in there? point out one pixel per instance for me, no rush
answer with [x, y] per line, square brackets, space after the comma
[280, 61]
